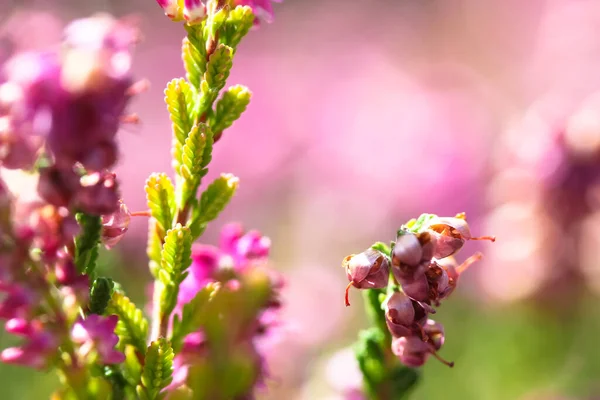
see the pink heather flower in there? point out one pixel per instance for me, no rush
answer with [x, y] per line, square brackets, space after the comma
[172, 8]
[237, 251]
[35, 353]
[75, 102]
[194, 11]
[17, 302]
[115, 225]
[261, 8]
[97, 333]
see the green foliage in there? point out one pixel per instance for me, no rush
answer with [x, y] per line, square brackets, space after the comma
[86, 244]
[212, 201]
[193, 54]
[214, 22]
[158, 370]
[229, 370]
[230, 107]
[238, 24]
[193, 316]
[160, 195]
[217, 71]
[100, 294]
[179, 97]
[176, 257]
[132, 327]
[154, 246]
[118, 382]
[382, 247]
[402, 380]
[371, 359]
[196, 155]
[132, 369]
[415, 225]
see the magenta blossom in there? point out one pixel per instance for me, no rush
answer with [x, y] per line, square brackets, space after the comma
[261, 8]
[237, 250]
[98, 333]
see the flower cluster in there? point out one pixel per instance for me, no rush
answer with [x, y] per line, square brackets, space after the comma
[59, 115]
[213, 308]
[418, 272]
[227, 268]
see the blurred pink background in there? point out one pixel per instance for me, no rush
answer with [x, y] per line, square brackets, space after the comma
[364, 115]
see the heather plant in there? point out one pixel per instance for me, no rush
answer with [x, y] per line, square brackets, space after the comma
[212, 307]
[60, 112]
[404, 284]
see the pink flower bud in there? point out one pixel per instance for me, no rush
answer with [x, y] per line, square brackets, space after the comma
[367, 270]
[411, 350]
[399, 314]
[19, 326]
[115, 225]
[407, 250]
[194, 11]
[411, 255]
[171, 8]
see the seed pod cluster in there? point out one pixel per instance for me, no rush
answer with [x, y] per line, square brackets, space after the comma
[419, 273]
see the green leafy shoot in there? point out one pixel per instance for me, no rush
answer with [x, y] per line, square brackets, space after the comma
[217, 71]
[160, 195]
[239, 22]
[158, 370]
[193, 54]
[86, 244]
[176, 257]
[132, 327]
[230, 107]
[196, 155]
[193, 315]
[212, 201]
[100, 294]
[179, 97]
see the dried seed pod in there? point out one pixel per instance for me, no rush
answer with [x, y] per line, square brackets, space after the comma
[367, 270]
[450, 234]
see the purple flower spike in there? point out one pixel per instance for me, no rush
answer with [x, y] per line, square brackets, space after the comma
[98, 333]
